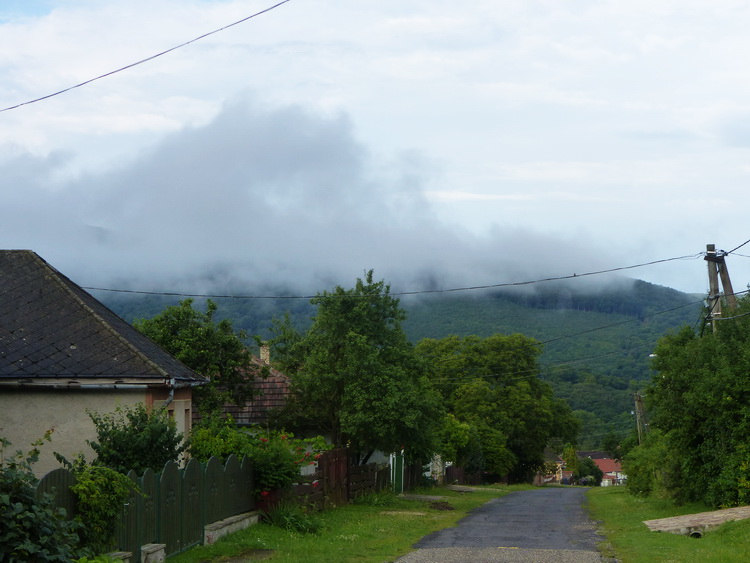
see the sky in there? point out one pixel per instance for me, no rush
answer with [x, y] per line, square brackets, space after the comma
[441, 144]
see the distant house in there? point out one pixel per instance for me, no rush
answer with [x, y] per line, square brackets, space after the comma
[612, 471]
[62, 353]
[271, 390]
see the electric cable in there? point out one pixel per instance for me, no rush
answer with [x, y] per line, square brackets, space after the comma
[147, 59]
[400, 293]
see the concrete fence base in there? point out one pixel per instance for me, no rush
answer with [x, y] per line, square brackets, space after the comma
[216, 530]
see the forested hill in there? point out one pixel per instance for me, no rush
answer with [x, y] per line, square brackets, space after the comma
[596, 341]
[610, 331]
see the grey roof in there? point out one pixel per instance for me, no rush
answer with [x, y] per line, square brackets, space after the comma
[54, 333]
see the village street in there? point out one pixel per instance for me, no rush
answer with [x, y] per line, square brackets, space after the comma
[542, 525]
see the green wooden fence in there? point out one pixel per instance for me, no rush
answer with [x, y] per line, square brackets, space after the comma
[173, 506]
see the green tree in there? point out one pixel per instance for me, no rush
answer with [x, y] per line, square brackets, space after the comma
[359, 380]
[588, 472]
[698, 399]
[493, 384]
[135, 438]
[210, 348]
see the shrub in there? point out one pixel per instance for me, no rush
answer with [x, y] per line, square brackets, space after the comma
[101, 493]
[134, 438]
[31, 528]
[276, 456]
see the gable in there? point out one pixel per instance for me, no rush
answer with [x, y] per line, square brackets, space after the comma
[53, 333]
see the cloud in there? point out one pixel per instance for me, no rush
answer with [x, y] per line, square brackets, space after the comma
[259, 196]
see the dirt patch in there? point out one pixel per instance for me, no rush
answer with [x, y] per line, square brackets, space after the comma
[441, 505]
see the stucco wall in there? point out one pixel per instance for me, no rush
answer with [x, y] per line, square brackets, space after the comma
[26, 415]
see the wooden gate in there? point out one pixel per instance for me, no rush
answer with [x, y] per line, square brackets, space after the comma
[334, 466]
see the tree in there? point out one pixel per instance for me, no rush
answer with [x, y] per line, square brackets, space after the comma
[492, 383]
[588, 472]
[210, 348]
[134, 438]
[358, 379]
[698, 400]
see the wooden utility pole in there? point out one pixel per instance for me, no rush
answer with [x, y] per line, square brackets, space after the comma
[639, 417]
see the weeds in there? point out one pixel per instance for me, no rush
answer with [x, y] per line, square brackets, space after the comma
[290, 516]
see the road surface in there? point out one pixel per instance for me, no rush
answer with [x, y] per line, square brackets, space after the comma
[541, 525]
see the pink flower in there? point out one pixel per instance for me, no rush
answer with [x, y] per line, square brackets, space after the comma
[264, 493]
[315, 484]
[264, 439]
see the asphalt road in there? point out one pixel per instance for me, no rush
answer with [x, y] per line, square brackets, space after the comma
[540, 525]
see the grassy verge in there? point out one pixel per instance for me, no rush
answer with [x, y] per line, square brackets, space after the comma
[361, 533]
[630, 541]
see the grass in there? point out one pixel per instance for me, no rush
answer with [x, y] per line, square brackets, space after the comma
[382, 530]
[630, 541]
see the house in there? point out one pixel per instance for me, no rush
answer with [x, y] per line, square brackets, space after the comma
[270, 393]
[612, 471]
[63, 353]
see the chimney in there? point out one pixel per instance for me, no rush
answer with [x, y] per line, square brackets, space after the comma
[265, 353]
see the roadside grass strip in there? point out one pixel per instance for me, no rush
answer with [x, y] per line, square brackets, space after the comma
[629, 539]
[355, 532]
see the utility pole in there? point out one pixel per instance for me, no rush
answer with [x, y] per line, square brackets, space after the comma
[717, 269]
[714, 299]
[639, 418]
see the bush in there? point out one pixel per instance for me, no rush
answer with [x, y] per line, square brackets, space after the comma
[134, 438]
[31, 528]
[648, 467]
[101, 493]
[277, 456]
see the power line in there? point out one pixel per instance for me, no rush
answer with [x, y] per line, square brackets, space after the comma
[737, 248]
[147, 59]
[401, 293]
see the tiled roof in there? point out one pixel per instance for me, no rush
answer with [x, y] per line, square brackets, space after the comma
[270, 393]
[53, 332]
[608, 465]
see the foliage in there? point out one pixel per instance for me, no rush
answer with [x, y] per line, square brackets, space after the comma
[562, 315]
[570, 458]
[31, 528]
[698, 399]
[135, 438]
[290, 516]
[492, 384]
[215, 436]
[101, 494]
[210, 348]
[588, 472]
[647, 468]
[454, 438]
[359, 380]
[277, 456]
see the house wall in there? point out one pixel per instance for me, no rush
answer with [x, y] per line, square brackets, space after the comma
[26, 414]
[179, 408]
